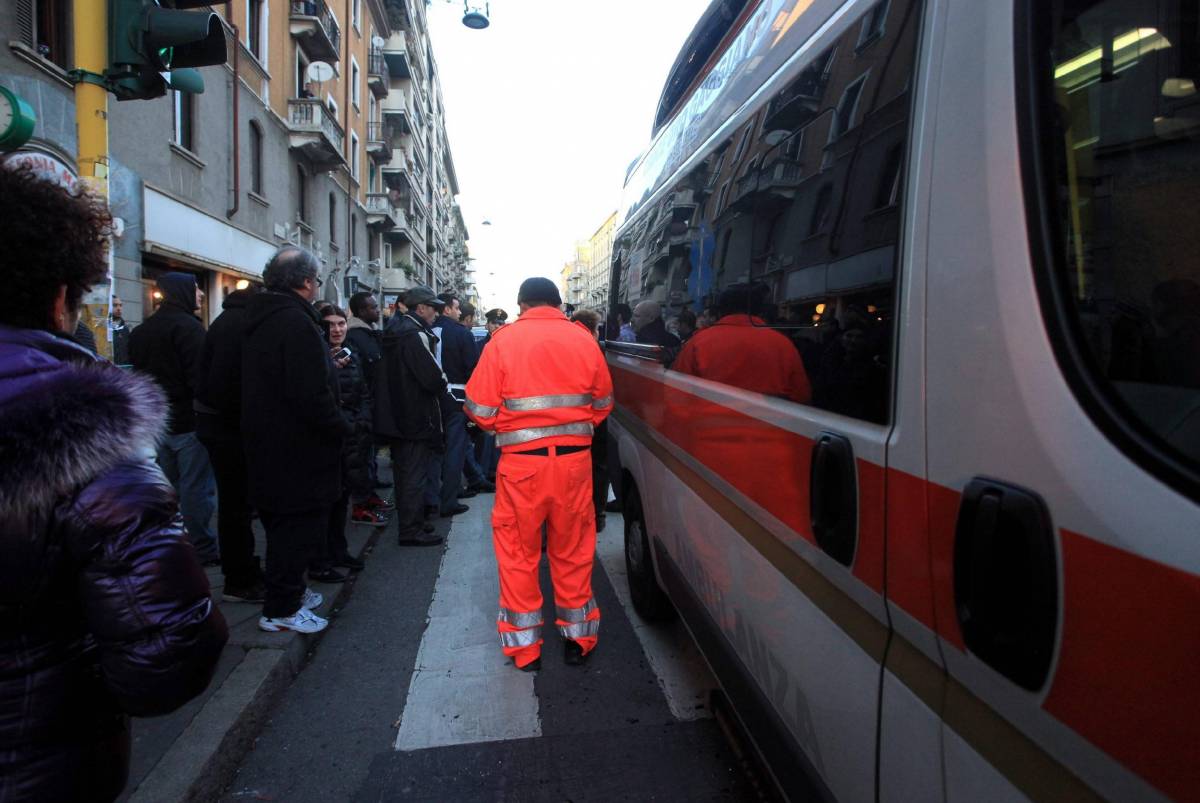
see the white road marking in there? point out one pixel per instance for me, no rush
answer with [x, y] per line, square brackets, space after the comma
[463, 689]
[681, 671]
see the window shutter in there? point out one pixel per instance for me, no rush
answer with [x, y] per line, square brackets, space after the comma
[25, 21]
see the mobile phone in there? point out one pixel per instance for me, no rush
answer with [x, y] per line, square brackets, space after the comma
[342, 353]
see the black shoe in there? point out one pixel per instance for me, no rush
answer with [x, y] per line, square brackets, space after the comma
[466, 494]
[330, 575]
[430, 510]
[427, 527]
[601, 520]
[613, 507]
[254, 592]
[353, 564]
[484, 487]
[419, 540]
[454, 511]
[532, 666]
[573, 654]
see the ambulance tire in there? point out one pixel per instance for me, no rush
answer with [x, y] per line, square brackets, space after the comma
[649, 600]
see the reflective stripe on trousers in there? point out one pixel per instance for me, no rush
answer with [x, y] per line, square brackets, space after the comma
[534, 433]
[521, 638]
[582, 623]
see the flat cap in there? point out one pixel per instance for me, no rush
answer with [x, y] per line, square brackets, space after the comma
[539, 289]
[422, 295]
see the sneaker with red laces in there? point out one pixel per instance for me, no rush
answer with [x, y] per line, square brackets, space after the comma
[376, 502]
[364, 515]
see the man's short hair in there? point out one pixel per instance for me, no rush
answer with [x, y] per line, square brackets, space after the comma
[467, 309]
[358, 303]
[623, 312]
[289, 268]
[448, 299]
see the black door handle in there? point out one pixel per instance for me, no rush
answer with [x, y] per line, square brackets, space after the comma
[1006, 580]
[833, 497]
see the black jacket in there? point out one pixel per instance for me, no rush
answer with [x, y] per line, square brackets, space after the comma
[355, 401]
[167, 347]
[292, 428]
[655, 333]
[411, 386]
[367, 345]
[104, 610]
[219, 376]
[459, 352]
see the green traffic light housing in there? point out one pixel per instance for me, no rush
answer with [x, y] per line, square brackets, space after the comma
[152, 48]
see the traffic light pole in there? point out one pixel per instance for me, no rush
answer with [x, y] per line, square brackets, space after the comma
[91, 99]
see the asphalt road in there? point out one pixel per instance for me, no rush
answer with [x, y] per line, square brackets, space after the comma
[408, 696]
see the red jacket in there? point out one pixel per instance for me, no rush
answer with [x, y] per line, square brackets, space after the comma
[541, 381]
[743, 351]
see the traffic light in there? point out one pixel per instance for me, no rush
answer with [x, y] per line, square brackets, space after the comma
[151, 48]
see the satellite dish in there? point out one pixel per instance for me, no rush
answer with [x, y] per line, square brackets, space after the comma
[319, 71]
[378, 41]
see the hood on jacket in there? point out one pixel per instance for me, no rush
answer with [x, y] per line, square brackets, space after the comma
[238, 299]
[354, 322]
[66, 417]
[260, 307]
[179, 290]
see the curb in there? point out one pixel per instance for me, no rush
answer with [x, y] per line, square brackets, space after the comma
[203, 759]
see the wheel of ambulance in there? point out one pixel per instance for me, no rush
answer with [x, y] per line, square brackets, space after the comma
[649, 600]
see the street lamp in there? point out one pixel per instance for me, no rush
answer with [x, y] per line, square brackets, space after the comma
[475, 19]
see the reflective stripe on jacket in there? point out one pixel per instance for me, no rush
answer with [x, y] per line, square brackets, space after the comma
[542, 381]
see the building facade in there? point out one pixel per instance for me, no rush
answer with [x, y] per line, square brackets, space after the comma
[291, 142]
[585, 277]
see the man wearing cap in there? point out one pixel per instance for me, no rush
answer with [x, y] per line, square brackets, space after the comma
[542, 386]
[408, 409]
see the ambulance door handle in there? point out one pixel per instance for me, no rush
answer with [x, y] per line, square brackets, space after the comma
[1006, 580]
[833, 497]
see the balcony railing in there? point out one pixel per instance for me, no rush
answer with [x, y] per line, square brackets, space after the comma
[379, 141]
[378, 75]
[314, 25]
[314, 130]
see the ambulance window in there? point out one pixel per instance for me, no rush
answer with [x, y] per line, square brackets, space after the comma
[1121, 177]
[808, 240]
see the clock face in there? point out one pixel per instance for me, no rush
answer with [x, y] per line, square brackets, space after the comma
[17, 120]
[7, 113]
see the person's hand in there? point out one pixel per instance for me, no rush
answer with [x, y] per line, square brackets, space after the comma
[340, 363]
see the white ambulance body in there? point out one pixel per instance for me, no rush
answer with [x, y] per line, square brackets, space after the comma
[957, 557]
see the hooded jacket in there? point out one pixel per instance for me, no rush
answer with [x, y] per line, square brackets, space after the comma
[219, 376]
[292, 427]
[167, 346]
[104, 609]
[411, 386]
[367, 344]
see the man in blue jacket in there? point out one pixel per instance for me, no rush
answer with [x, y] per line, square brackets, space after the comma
[456, 354]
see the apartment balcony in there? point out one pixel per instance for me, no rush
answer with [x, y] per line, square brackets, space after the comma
[395, 56]
[379, 142]
[381, 214]
[314, 132]
[379, 77]
[396, 112]
[314, 27]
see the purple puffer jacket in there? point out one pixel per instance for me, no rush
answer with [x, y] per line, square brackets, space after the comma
[104, 610]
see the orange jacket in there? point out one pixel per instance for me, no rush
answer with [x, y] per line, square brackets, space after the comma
[541, 381]
[743, 351]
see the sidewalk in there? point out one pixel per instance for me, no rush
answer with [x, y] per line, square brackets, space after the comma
[190, 754]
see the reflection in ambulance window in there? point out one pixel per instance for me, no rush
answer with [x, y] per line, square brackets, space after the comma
[1127, 161]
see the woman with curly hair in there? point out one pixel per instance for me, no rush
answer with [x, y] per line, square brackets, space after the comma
[104, 610]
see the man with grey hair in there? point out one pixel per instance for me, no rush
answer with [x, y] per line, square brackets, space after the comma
[293, 431]
[648, 326]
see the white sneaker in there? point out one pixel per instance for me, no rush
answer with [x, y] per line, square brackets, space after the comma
[302, 621]
[312, 599]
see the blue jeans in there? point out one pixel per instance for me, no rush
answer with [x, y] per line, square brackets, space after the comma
[471, 466]
[185, 462]
[445, 470]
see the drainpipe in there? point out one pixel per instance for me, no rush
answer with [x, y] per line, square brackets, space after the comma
[233, 101]
[348, 21]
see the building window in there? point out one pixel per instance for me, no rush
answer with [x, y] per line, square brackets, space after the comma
[48, 25]
[354, 154]
[301, 193]
[353, 232]
[332, 218]
[820, 213]
[256, 159]
[847, 108]
[256, 11]
[873, 24]
[185, 119]
[302, 87]
[356, 15]
[355, 97]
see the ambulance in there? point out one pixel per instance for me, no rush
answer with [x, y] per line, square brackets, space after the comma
[959, 560]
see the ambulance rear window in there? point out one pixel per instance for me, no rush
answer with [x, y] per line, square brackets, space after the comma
[1121, 130]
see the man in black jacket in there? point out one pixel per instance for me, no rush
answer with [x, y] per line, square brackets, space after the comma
[218, 408]
[293, 430]
[365, 339]
[408, 408]
[456, 354]
[167, 347]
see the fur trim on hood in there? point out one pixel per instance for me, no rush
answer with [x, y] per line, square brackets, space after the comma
[69, 425]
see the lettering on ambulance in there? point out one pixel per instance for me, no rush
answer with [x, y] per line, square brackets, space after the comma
[770, 673]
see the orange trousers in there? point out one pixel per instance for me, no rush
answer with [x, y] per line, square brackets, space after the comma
[557, 490]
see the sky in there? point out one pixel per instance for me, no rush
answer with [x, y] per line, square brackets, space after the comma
[545, 110]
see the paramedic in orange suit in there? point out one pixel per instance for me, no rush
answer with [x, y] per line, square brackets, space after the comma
[542, 385]
[741, 350]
